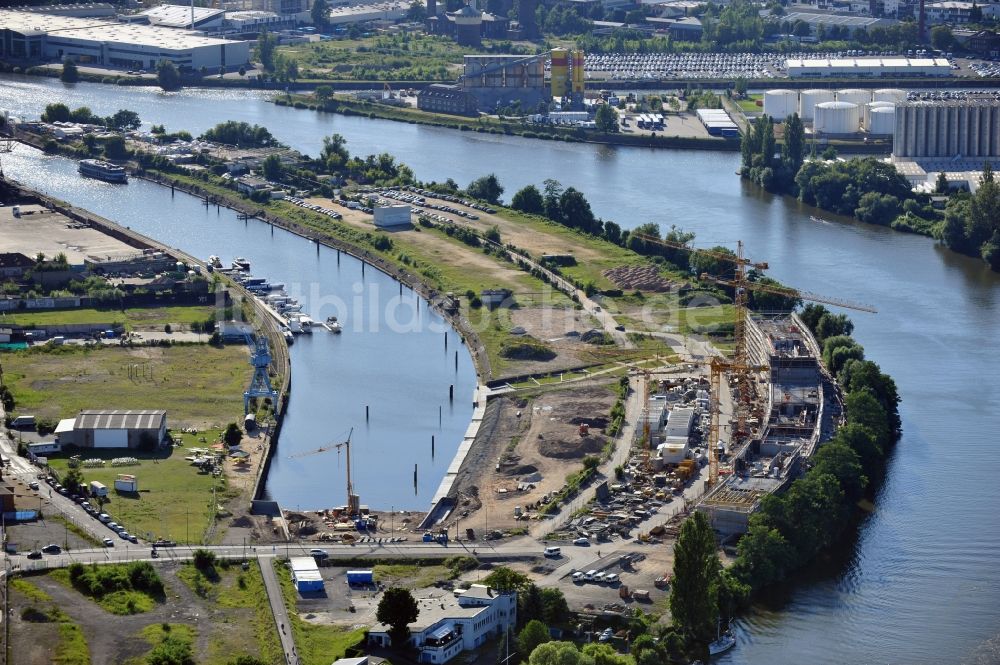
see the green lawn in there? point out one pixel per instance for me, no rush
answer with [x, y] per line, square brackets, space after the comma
[148, 317]
[198, 385]
[749, 105]
[317, 644]
[174, 499]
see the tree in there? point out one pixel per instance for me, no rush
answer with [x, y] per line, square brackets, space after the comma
[693, 595]
[793, 149]
[606, 119]
[841, 462]
[976, 13]
[531, 605]
[417, 13]
[114, 148]
[605, 654]
[167, 75]
[56, 112]
[556, 609]
[232, 436]
[398, 610]
[534, 633]
[941, 186]
[486, 188]
[942, 38]
[73, 480]
[320, 13]
[272, 168]
[764, 555]
[504, 579]
[575, 211]
[171, 651]
[323, 93]
[204, 559]
[124, 120]
[528, 199]
[558, 653]
[266, 45]
[70, 74]
[552, 191]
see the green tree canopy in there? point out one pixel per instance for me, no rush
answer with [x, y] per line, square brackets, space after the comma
[505, 579]
[272, 168]
[124, 120]
[606, 119]
[693, 595]
[534, 633]
[486, 188]
[70, 73]
[528, 199]
[167, 75]
[397, 609]
[558, 653]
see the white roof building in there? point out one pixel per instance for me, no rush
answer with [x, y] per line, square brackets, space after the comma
[867, 67]
[126, 45]
[184, 16]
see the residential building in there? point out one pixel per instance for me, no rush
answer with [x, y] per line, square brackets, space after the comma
[445, 627]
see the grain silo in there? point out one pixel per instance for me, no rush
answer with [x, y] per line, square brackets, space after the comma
[889, 95]
[881, 120]
[808, 101]
[837, 118]
[854, 96]
[965, 128]
[779, 103]
[867, 109]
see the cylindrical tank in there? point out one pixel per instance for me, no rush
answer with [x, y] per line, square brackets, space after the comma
[889, 95]
[854, 96]
[780, 103]
[837, 118]
[808, 101]
[882, 120]
[867, 109]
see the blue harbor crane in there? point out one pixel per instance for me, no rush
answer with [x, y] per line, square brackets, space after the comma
[260, 384]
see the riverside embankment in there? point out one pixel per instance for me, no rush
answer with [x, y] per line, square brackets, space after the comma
[917, 585]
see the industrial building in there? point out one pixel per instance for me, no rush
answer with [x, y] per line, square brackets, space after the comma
[568, 74]
[959, 12]
[797, 415]
[305, 574]
[852, 23]
[718, 123]
[493, 80]
[446, 98]
[390, 216]
[89, 41]
[867, 67]
[445, 627]
[113, 429]
[952, 129]
[184, 17]
[838, 112]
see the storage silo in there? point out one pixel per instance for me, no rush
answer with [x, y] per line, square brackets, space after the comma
[837, 118]
[889, 95]
[808, 101]
[560, 72]
[854, 96]
[882, 120]
[867, 109]
[780, 103]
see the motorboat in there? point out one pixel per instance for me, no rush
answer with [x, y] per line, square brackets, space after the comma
[334, 327]
[241, 263]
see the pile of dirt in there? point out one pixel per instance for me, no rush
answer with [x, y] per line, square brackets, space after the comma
[643, 278]
[242, 522]
[575, 447]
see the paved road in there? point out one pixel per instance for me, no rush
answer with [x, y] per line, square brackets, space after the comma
[279, 611]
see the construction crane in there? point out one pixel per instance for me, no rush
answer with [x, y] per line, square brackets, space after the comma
[353, 503]
[739, 368]
[260, 383]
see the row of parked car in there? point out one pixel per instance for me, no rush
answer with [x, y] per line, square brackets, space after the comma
[91, 510]
[596, 577]
[294, 200]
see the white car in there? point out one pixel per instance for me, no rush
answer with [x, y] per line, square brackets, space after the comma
[581, 541]
[589, 575]
[578, 576]
[599, 578]
[611, 578]
[108, 542]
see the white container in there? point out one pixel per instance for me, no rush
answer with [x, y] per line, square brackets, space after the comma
[808, 101]
[837, 118]
[867, 109]
[889, 95]
[854, 96]
[882, 121]
[780, 103]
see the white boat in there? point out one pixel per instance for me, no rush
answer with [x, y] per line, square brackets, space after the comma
[214, 261]
[289, 337]
[334, 327]
[293, 325]
[240, 263]
[101, 170]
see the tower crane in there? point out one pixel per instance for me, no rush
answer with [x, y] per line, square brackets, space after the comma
[739, 367]
[352, 499]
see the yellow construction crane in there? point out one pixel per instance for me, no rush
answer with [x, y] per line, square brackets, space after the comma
[739, 368]
[352, 499]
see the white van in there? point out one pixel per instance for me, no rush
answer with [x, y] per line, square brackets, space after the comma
[552, 551]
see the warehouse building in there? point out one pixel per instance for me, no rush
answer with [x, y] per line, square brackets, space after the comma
[446, 98]
[89, 41]
[185, 17]
[851, 23]
[867, 67]
[113, 429]
[948, 129]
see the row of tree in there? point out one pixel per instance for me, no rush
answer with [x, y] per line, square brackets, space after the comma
[790, 530]
[972, 221]
[121, 121]
[761, 162]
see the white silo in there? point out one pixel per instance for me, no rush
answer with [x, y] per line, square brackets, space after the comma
[854, 96]
[889, 95]
[837, 118]
[780, 103]
[808, 101]
[867, 109]
[882, 120]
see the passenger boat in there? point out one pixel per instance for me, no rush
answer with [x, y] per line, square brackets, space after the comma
[101, 170]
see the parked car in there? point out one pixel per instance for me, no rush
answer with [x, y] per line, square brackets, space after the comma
[52, 548]
[113, 526]
[319, 554]
[108, 542]
[104, 517]
[581, 541]
[33, 485]
[34, 554]
[589, 575]
[124, 535]
[611, 578]
[132, 538]
[578, 576]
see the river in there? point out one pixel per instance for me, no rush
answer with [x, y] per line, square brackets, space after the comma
[919, 585]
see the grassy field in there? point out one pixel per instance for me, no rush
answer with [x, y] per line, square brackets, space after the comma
[410, 576]
[749, 105]
[147, 317]
[71, 646]
[317, 644]
[174, 499]
[121, 602]
[198, 385]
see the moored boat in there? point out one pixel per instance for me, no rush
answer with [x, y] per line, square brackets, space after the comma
[102, 170]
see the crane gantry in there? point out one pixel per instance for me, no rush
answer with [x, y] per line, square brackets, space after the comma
[353, 503]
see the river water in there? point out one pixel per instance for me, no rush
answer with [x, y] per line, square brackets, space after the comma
[919, 585]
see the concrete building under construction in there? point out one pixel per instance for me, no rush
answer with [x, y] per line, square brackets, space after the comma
[799, 408]
[503, 79]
